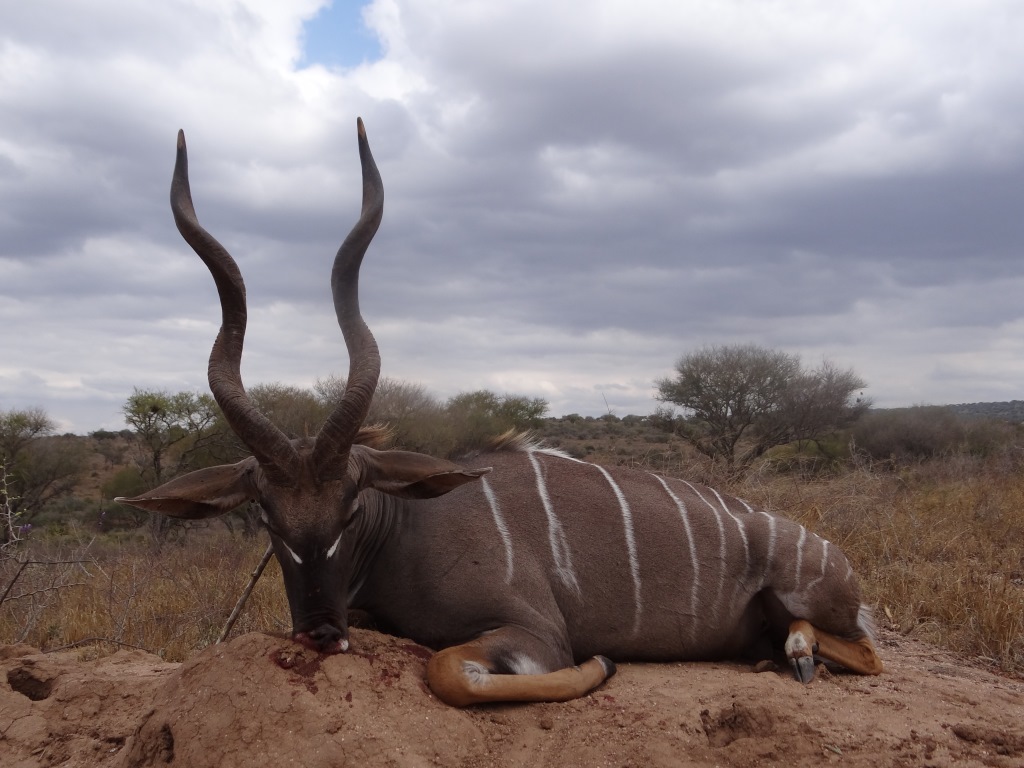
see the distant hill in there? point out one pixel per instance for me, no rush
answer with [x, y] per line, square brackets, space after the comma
[1012, 411]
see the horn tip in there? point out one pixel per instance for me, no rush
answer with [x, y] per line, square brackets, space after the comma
[360, 127]
[181, 139]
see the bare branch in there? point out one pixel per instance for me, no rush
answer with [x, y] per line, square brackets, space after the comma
[253, 578]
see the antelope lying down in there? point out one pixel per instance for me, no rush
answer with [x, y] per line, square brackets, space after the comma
[519, 562]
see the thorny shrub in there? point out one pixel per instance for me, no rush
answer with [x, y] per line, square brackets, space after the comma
[31, 582]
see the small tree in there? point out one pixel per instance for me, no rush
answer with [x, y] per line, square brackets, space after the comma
[415, 416]
[19, 428]
[738, 401]
[173, 434]
[295, 411]
[40, 467]
[170, 430]
[477, 416]
[818, 403]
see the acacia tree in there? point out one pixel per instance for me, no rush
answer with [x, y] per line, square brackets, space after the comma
[171, 430]
[173, 434]
[740, 400]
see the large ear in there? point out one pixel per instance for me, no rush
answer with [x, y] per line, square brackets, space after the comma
[413, 475]
[203, 493]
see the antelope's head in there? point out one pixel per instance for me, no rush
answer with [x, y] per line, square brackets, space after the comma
[311, 489]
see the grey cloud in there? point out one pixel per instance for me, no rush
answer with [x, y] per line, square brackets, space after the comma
[567, 211]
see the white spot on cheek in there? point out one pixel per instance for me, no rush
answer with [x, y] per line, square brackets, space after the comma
[334, 546]
[295, 557]
[291, 552]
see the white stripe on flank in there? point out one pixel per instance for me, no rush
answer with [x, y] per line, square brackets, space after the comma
[771, 535]
[695, 589]
[824, 563]
[627, 524]
[722, 552]
[634, 562]
[770, 556]
[742, 583]
[499, 522]
[799, 557]
[739, 525]
[556, 534]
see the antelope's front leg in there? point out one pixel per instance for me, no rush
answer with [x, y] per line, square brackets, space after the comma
[509, 665]
[806, 640]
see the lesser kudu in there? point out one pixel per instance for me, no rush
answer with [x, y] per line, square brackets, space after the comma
[527, 568]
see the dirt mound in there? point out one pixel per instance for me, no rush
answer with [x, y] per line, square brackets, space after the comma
[261, 700]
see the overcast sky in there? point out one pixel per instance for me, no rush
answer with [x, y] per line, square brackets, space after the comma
[577, 193]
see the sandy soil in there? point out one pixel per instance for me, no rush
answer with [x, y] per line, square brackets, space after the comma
[260, 700]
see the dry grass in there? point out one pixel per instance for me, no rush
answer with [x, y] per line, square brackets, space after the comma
[173, 602]
[939, 547]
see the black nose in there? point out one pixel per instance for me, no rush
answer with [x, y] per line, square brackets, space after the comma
[325, 635]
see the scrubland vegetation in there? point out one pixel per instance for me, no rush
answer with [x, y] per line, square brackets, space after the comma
[928, 504]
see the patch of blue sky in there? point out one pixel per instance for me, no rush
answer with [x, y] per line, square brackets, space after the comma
[337, 37]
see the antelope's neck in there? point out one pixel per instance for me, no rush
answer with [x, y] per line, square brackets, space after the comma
[375, 524]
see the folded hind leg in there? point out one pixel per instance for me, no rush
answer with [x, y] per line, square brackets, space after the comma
[510, 664]
[805, 640]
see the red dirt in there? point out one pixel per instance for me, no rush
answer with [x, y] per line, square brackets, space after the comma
[261, 700]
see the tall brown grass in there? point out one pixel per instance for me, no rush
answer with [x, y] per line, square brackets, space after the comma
[172, 602]
[939, 547]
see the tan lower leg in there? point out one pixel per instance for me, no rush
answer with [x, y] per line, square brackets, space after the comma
[459, 676]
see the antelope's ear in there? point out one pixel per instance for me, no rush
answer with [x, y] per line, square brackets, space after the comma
[203, 493]
[413, 475]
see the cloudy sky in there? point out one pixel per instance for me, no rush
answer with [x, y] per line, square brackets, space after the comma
[577, 193]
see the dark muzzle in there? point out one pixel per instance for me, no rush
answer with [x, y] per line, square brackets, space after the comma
[326, 638]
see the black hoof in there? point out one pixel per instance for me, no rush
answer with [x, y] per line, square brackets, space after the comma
[609, 666]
